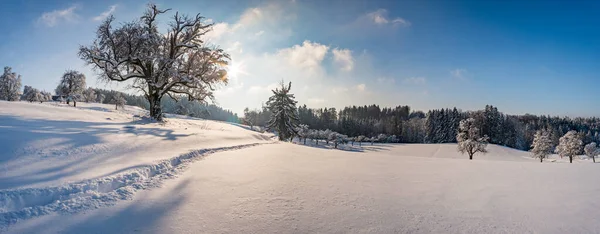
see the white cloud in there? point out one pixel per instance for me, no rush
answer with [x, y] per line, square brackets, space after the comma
[217, 31]
[380, 17]
[309, 55]
[344, 59]
[361, 87]
[259, 33]
[251, 15]
[400, 21]
[459, 73]
[55, 17]
[105, 14]
[235, 47]
[415, 80]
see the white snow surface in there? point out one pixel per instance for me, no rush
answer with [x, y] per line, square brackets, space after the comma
[57, 158]
[245, 186]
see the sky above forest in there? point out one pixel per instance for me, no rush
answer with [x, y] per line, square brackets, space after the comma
[539, 57]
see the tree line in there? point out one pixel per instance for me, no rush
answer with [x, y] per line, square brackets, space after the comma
[436, 126]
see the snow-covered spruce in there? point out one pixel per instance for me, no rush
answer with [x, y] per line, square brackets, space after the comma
[20, 204]
[284, 118]
[469, 140]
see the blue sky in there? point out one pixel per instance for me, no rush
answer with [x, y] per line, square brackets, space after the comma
[540, 57]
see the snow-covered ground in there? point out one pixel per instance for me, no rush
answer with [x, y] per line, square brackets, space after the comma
[244, 186]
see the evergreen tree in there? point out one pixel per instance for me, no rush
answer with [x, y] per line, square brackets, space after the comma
[284, 117]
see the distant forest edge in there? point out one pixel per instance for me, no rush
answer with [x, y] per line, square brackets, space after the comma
[436, 126]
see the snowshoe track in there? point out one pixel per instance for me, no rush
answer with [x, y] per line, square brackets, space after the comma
[20, 204]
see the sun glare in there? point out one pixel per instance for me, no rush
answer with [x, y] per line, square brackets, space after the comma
[236, 69]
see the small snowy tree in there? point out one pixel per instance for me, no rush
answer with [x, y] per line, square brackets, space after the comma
[325, 135]
[89, 95]
[372, 140]
[156, 62]
[382, 138]
[47, 96]
[72, 85]
[392, 139]
[542, 144]
[337, 139]
[284, 117]
[100, 97]
[303, 132]
[469, 140]
[591, 150]
[360, 139]
[10, 85]
[33, 95]
[333, 137]
[119, 101]
[26, 90]
[569, 145]
[314, 135]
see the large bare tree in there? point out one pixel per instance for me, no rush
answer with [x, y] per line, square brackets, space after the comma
[174, 62]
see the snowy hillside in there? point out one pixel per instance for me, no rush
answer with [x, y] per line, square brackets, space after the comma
[92, 169]
[52, 152]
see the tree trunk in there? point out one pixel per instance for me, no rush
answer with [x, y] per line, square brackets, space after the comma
[541, 158]
[305, 140]
[155, 108]
[570, 159]
[335, 143]
[594, 159]
[317, 141]
[74, 104]
[470, 156]
[116, 106]
[360, 143]
[353, 143]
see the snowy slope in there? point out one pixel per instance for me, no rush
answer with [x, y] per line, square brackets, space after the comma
[55, 157]
[95, 170]
[289, 188]
[44, 144]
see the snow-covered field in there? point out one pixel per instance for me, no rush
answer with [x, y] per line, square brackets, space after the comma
[94, 170]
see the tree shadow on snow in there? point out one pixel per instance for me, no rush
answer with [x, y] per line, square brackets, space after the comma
[364, 147]
[136, 217]
[41, 138]
[96, 108]
[330, 146]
